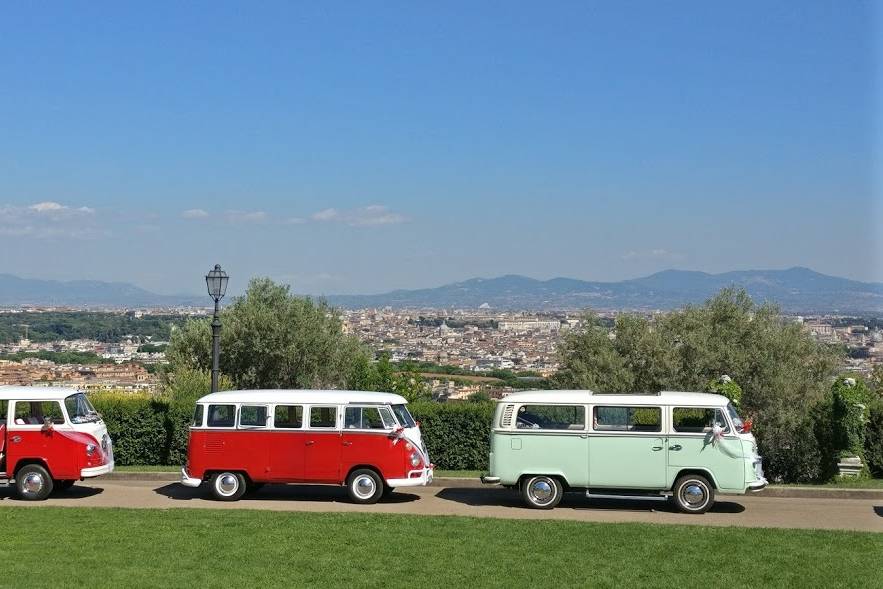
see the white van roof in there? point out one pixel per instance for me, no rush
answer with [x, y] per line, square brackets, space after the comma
[302, 396]
[681, 398]
[12, 393]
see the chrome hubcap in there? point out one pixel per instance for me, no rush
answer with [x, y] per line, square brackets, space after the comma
[227, 484]
[693, 494]
[364, 486]
[541, 491]
[33, 483]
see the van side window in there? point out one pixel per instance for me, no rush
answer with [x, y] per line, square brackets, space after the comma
[323, 417]
[34, 412]
[221, 415]
[628, 419]
[366, 418]
[253, 416]
[197, 416]
[288, 416]
[551, 417]
[697, 420]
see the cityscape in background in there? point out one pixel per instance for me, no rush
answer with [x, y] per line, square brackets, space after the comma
[458, 352]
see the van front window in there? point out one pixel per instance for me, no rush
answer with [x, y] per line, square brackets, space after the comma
[80, 409]
[734, 415]
[404, 416]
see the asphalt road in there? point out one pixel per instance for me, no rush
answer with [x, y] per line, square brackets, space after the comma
[739, 511]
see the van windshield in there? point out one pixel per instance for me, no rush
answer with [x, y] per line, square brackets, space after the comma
[80, 410]
[404, 416]
[734, 415]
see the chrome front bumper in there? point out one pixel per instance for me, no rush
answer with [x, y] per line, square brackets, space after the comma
[490, 480]
[424, 478]
[96, 471]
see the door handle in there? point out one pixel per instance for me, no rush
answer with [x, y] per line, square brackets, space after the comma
[310, 442]
[16, 439]
[675, 447]
[584, 436]
[347, 443]
[656, 448]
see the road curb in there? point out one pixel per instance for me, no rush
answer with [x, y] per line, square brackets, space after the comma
[467, 483]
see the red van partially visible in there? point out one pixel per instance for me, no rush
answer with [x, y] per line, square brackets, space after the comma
[240, 440]
[49, 439]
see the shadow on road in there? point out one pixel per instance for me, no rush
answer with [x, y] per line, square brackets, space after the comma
[75, 492]
[576, 501]
[321, 493]
[878, 509]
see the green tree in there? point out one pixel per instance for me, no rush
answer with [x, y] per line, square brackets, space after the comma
[727, 387]
[273, 339]
[589, 360]
[783, 372]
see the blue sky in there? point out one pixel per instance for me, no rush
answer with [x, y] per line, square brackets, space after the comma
[349, 149]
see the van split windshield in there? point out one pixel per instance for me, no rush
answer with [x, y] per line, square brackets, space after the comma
[80, 410]
[404, 416]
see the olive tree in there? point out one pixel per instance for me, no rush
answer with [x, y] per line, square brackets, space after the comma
[272, 339]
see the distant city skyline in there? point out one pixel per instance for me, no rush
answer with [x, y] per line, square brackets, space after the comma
[344, 150]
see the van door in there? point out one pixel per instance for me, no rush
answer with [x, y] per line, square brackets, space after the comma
[627, 448]
[551, 440]
[366, 441]
[27, 438]
[692, 444]
[287, 447]
[322, 445]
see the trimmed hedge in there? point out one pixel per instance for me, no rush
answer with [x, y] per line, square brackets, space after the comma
[147, 430]
[457, 435]
[874, 439]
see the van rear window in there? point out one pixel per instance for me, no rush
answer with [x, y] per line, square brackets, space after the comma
[628, 419]
[221, 415]
[551, 417]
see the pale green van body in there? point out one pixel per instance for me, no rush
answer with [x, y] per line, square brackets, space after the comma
[586, 456]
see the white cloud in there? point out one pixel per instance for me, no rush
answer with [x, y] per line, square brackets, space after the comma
[294, 221]
[246, 216]
[653, 254]
[194, 214]
[48, 219]
[326, 215]
[369, 216]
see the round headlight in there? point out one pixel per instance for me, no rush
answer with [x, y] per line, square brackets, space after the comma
[90, 449]
[415, 459]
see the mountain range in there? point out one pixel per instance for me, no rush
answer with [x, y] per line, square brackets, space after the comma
[797, 290]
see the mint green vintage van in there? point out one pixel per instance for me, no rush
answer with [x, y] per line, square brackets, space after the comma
[680, 446]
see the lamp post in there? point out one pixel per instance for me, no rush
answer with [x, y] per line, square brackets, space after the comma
[216, 282]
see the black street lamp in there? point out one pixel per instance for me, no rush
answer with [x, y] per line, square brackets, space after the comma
[216, 282]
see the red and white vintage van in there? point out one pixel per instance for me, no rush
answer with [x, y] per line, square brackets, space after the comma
[240, 440]
[50, 438]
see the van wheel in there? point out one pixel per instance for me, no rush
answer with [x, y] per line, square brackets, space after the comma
[541, 492]
[693, 494]
[364, 486]
[228, 486]
[33, 483]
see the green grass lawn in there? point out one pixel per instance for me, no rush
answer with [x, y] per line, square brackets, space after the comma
[57, 546]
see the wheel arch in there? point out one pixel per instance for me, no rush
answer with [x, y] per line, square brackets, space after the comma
[554, 474]
[703, 472]
[366, 466]
[23, 462]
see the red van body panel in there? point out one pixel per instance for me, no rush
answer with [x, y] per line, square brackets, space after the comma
[295, 456]
[63, 453]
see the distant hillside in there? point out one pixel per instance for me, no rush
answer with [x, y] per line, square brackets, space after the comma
[26, 291]
[799, 290]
